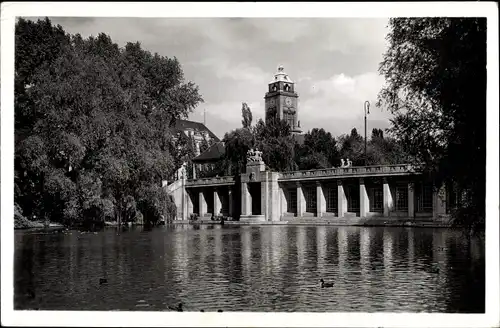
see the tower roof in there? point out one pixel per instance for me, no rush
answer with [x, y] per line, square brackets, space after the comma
[280, 75]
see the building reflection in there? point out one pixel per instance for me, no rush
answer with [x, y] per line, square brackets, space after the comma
[440, 248]
[342, 250]
[332, 246]
[180, 262]
[301, 247]
[203, 244]
[353, 252]
[265, 250]
[364, 249]
[411, 248]
[217, 233]
[388, 250]
[246, 249]
[277, 248]
[321, 245]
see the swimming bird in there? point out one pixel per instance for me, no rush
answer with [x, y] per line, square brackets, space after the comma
[178, 308]
[103, 281]
[325, 284]
[434, 269]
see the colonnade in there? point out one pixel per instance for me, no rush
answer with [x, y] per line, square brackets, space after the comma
[359, 197]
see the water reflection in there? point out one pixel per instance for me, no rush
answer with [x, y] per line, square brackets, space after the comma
[271, 268]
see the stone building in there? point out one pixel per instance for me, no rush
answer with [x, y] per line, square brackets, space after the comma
[282, 100]
[198, 131]
[348, 193]
[345, 193]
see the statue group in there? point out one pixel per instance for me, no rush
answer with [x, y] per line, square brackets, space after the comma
[181, 172]
[345, 163]
[254, 156]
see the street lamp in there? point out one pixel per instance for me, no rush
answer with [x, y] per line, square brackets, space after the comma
[367, 111]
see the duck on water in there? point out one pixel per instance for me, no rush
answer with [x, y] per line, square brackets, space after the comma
[325, 284]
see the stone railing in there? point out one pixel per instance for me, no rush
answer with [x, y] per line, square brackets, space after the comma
[346, 172]
[215, 181]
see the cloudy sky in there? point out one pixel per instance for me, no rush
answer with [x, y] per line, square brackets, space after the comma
[333, 61]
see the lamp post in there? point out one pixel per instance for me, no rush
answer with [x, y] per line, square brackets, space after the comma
[367, 111]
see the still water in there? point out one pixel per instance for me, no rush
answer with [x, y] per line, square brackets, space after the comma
[251, 268]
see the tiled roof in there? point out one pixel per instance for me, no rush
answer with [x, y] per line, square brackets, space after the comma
[183, 125]
[212, 154]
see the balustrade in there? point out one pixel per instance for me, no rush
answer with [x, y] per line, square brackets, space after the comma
[349, 171]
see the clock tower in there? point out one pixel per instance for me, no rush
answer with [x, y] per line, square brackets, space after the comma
[282, 100]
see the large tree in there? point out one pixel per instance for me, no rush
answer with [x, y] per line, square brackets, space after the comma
[435, 71]
[275, 140]
[91, 125]
[352, 147]
[319, 150]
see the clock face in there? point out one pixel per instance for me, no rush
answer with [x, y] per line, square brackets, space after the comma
[288, 101]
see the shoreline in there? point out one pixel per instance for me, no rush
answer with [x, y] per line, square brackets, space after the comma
[385, 222]
[305, 222]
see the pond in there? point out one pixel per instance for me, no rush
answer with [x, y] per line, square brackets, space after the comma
[250, 268]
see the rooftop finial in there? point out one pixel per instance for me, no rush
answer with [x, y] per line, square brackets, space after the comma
[280, 75]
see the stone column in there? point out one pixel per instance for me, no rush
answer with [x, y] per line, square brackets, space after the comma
[202, 204]
[438, 202]
[194, 171]
[230, 200]
[364, 201]
[411, 199]
[320, 200]
[301, 201]
[282, 200]
[388, 199]
[264, 195]
[342, 199]
[217, 201]
[189, 204]
[274, 199]
[246, 205]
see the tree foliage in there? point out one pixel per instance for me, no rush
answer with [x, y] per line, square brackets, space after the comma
[237, 143]
[246, 113]
[435, 69]
[282, 152]
[318, 151]
[275, 140]
[91, 122]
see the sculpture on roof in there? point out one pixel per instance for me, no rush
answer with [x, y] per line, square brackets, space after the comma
[345, 163]
[254, 155]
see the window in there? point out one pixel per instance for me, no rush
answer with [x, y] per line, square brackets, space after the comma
[331, 199]
[310, 196]
[352, 195]
[401, 198]
[424, 198]
[376, 196]
[292, 201]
